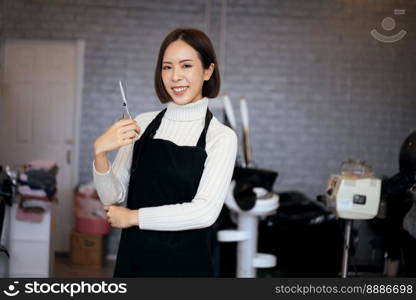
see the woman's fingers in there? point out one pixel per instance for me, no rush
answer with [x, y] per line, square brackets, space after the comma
[121, 133]
[132, 128]
[128, 125]
[126, 142]
[107, 214]
[107, 209]
[128, 135]
[127, 138]
[124, 122]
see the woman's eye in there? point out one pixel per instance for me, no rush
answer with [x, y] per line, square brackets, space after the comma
[187, 66]
[166, 68]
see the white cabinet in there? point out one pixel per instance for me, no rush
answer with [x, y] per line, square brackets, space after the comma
[30, 247]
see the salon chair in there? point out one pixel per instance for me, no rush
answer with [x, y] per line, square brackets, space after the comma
[249, 199]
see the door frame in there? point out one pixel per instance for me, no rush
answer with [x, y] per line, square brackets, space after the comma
[80, 51]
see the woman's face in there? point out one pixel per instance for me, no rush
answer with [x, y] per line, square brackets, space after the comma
[183, 74]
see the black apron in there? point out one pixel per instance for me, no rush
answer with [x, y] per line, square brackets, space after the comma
[164, 173]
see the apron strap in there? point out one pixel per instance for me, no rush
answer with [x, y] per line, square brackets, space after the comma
[154, 125]
[202, 138]
[148, 133]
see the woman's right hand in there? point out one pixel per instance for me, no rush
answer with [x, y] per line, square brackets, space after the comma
[121, 133]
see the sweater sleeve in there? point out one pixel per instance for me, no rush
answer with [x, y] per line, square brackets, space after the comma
[112, 185]
[204, 209]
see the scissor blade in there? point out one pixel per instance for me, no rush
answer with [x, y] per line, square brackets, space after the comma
[123, 95]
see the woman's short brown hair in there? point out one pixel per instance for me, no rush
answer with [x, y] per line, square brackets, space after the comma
[203, 46]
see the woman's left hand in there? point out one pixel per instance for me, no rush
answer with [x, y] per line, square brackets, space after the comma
[121, 217]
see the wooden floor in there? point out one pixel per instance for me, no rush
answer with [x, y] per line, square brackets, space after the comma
[64, 269]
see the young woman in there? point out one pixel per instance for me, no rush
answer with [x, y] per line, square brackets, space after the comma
[174, 166]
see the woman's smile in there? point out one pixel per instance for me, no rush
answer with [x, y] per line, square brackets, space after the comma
[179, 90]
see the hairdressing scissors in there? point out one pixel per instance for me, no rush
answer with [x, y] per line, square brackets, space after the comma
[126, 113]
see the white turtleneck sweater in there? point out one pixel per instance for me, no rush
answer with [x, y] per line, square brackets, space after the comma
[182, 125]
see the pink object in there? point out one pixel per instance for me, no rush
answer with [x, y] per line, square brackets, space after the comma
[90, 216]
[88, 207]
[42, 164]
[92, 225]
[27, 191]
[87, 189]
[45, 205]
[28, 216]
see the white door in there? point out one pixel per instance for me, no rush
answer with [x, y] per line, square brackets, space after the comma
[38, 114]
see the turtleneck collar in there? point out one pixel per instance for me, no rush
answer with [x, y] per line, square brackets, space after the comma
[187, 112]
